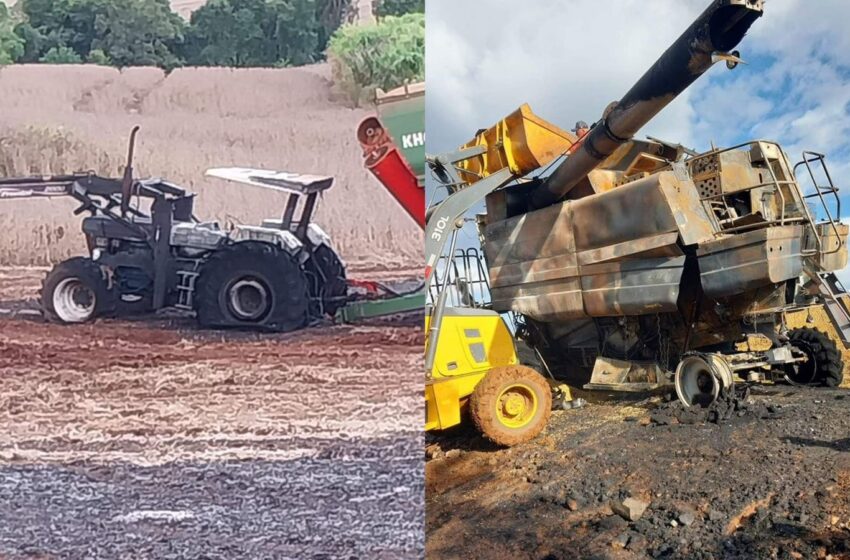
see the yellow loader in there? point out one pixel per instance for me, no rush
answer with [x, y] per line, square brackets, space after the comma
[471, 354]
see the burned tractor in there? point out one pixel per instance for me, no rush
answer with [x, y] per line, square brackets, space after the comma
[640, 263]
[148, 251]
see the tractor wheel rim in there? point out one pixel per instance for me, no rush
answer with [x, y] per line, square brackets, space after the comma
[73, 301]
[249, 299]
[516, 405]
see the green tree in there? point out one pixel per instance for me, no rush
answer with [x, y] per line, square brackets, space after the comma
[138, 33]
[97, 56]
[11, 46]
[383, 55]
[399, 7]
[261, 32]
[51, 24]
[61, 55]
[331, 14]
[128, 32]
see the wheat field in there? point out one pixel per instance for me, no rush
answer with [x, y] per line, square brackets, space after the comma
[60, 119]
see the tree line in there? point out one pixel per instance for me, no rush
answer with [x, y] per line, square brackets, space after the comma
[240, 33]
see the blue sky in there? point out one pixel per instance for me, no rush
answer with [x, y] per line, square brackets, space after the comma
[570, 58]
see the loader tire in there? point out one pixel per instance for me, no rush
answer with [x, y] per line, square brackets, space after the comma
[252, 285]
[825, 366]
[76, 291]
[511, 405]
[328, 285]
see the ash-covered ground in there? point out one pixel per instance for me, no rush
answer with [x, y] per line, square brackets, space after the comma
[622, 479]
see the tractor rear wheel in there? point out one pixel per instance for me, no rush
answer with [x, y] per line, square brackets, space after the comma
[824, 366]
[328, 285]
[254, 285]
[76, 291]
[511, 405]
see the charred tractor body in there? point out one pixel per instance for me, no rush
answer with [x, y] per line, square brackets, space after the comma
[640, 263]
[147, 251]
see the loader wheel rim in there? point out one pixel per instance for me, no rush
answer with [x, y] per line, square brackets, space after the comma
[74, 301]
[516, 406]
[249, 299]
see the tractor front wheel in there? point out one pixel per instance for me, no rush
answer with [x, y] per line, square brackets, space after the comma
[511, 405]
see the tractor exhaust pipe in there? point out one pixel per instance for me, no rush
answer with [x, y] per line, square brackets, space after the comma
[127, 179]
[706, 41]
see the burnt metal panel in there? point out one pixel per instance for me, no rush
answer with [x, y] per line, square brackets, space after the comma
[833, 253]
[606, 255]
[626, 213]
[745, 261]
[632, 287]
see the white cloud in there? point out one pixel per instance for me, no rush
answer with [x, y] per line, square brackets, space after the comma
[567, 59]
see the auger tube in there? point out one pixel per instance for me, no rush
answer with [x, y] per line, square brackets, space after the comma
[717, 31]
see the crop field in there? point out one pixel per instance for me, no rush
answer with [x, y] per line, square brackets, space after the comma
[61, 119]
[151, 438]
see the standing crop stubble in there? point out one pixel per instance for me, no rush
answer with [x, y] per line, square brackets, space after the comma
[61, 119]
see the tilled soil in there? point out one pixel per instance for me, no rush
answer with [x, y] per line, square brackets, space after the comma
[770, 480]
[153, 439]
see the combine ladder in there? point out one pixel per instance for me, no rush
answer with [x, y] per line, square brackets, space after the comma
[828, 286]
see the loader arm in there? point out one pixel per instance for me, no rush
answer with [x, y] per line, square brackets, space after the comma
[443, 222]
[446, 217]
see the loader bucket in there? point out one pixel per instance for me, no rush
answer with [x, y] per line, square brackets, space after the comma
[522, 141]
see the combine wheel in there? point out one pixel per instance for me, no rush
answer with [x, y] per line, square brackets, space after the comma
[76, 291]
[824, 367]
[511, 405]
[328, 286]
[252, 284]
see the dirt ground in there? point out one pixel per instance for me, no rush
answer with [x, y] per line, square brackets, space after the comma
[152, 439]
[771, 482]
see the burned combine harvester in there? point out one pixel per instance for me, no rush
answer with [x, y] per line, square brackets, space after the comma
[641, 263]
[148, 251]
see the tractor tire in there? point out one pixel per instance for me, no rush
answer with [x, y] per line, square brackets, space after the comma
[328, 285]
[511, 405]
[825, 366]
[76, 291]
[252, 285]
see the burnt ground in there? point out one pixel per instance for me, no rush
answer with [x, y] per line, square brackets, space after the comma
[772, 481]
[152, 439]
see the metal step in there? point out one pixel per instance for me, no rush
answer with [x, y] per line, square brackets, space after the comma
[835, 307]
[186, 289]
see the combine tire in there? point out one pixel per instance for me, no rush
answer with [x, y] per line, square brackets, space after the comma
[511, 405]
[76, 291]
[825, 366]
[328, 286]
[253, 285]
